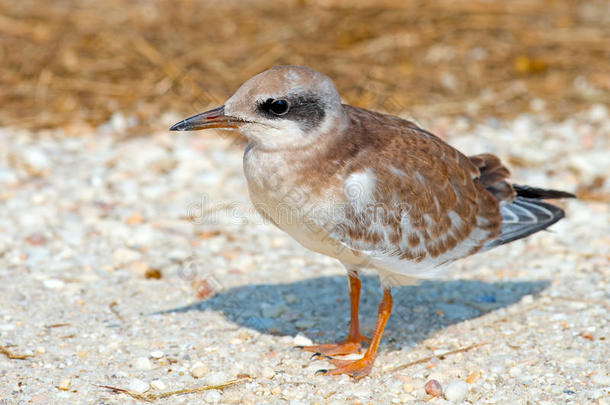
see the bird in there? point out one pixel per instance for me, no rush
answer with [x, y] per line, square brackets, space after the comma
[372, 190]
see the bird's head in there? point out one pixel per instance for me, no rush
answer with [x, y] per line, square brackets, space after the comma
[283, 107]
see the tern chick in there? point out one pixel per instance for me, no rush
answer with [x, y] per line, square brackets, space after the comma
[369, 189]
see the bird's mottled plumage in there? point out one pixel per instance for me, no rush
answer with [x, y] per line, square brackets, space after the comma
[370, 189]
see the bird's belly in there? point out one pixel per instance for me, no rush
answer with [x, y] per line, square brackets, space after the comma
[305, 229]
[316, 237]
[322, 243]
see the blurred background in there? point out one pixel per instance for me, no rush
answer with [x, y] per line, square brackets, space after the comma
[131, 256]
[76, 63]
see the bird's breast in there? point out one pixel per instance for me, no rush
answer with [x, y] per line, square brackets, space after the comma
[278, 193]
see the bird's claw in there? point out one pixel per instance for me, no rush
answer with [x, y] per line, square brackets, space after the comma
[333, 349]
[356, 369]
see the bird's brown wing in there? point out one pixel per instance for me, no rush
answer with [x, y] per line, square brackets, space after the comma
[493, 175]
[427, 202]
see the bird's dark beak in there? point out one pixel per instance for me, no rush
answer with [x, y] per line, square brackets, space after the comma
[215, 118]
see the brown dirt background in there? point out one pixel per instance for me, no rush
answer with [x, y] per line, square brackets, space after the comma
[72, 64]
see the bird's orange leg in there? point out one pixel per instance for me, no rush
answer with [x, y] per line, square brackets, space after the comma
[354, 340]
[362, 367]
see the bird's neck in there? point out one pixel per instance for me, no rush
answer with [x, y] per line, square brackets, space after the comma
[313, 168]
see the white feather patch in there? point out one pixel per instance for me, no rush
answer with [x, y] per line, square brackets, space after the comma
[359, 188]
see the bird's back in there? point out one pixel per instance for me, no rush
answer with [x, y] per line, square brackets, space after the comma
[415, 203]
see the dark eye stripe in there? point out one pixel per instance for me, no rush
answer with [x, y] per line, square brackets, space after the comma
[306, 110]
[277, 107]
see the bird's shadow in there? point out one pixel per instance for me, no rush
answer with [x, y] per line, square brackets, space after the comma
[319, 307]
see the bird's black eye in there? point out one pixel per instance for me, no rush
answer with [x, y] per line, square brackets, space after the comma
[278, 107]
[304, 109]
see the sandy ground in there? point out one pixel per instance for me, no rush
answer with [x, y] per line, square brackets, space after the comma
[89, 222]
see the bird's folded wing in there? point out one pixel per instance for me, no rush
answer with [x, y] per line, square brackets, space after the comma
[414, 202]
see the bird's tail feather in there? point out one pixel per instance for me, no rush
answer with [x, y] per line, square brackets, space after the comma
[540, 193]
[527, 214]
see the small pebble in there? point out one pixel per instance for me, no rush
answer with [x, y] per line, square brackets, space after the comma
[527, 299]
[486, 299]
[142, 363]
[156, 354]
[473, 377]
[456, 391]
[124, 255]
[537, 104]
[304, 323]
[154, 274]
[271, 310]
[596, 394]
[36, 239]
[514, 372]
[118, 122]
[455, 311]
[53, 283]
[216, 378]
[158, 385]
[268, 372]
[598, 112]
[249, 398]
[64, 385]
[601, 379]
[37, 160]
[134, 219]
[434, 388]
[138, 386]
[213, 396]
[302, 340]
[7, 176]
[236, 341]
[198, 370]
[586, 334]
[496, 369]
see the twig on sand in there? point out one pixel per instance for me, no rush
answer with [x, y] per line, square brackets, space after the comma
[425, 359]
[135, 395]
[153, 397]
[4, 350]
[113, 309]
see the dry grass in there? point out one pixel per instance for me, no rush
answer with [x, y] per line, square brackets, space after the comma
[74, 62]
[152, 397]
